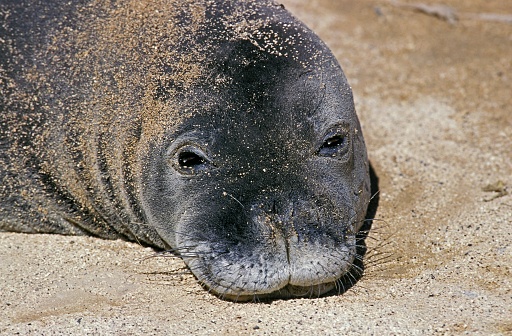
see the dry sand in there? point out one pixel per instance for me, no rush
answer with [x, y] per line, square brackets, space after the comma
[435, 101]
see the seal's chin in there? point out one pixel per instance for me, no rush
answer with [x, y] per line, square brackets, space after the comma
[272, 268]
[287, 292]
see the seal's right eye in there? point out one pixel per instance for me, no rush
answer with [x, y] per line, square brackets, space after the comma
[189, 160]
[335, 143]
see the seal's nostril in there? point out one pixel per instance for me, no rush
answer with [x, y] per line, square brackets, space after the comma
[319, 202]
[274, 207]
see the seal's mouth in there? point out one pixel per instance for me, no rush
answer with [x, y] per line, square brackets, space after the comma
[244, 273]
[287, 292]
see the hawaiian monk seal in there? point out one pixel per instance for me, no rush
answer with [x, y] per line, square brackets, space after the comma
[223, 130]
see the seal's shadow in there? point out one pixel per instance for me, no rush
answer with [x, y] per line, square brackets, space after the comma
[356, 271]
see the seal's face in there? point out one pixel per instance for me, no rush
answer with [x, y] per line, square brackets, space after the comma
[263, 189]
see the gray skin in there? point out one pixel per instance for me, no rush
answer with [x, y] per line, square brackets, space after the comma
[223, 131]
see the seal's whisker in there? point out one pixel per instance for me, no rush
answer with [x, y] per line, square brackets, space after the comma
[384, 260]
[176, 232]
[238, 296]
[366, 230]
[257, 298]
[373, 238]
[374, 220]
[233, 197]
[357, 276]
[374, 195]
[340, 286]
[178, 253]
[351, 279]
[376, 253]
[336, 286]
[360, 245]
[381, 244]
[356, 267]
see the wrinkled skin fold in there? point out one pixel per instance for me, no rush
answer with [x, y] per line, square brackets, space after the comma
[224, 131]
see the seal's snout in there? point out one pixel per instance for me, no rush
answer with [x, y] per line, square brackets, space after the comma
[278, 247]
[319, 241]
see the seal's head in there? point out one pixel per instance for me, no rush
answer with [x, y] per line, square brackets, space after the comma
[222, 129]
[264, 186]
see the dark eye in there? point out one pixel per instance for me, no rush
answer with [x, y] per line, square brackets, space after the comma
[335, 141]
[189, 160]
[335, 144]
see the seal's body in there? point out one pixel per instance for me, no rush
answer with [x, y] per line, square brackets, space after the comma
[224, 130]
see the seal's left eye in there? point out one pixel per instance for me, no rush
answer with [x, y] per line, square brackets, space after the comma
[335, 144]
